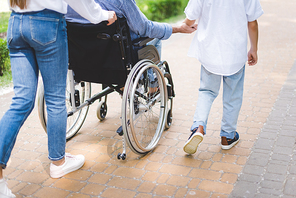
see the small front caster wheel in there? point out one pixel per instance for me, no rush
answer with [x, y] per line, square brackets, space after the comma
[102, 110]
[119, 156]
[123, 156]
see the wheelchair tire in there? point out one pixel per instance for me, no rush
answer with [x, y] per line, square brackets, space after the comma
[143, 112]
[102, 110]
[169, 119]
[75, 121]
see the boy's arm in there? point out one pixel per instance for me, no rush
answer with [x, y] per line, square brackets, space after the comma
[187, 26]
[253, 35]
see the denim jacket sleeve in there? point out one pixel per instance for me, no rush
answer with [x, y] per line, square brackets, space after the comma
[139, 23]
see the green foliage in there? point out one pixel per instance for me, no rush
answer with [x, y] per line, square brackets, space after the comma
[4, 57]
[4, 17]
[158, 10]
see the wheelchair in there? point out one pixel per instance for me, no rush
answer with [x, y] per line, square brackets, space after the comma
[106, 55]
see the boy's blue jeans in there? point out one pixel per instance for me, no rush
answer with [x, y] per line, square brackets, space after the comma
[37, 41]
[232, 100]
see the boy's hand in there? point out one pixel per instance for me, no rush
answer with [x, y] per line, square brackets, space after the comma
[252, 57]
[112, 17]
[253, 34]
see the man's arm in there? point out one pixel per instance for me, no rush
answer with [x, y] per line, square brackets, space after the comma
[253, 35]
[188, 26]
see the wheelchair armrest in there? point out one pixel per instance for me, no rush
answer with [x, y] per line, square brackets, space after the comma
[141, 41]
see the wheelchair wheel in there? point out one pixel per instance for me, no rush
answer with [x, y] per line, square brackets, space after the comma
[144, 107]
[75, 121]
[102, 110]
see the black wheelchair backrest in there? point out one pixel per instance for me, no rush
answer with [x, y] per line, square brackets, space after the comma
[100, 53]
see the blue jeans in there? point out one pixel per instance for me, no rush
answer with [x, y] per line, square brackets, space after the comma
[232, 100]
[37, 41]
[152, 78]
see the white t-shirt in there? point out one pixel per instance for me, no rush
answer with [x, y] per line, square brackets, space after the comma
[220, 42]
[88, 9]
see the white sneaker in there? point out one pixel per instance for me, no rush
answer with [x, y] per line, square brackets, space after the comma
[5, 192]
[72, 163]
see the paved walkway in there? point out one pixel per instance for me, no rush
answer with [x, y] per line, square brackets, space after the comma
[261, 165]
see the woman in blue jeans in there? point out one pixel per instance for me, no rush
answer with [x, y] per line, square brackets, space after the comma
[37, 41]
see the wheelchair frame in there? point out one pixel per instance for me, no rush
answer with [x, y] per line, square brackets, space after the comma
[139, 106]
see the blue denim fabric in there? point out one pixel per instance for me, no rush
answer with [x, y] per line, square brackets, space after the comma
[232, 100]
[37, 41]
[138, 23]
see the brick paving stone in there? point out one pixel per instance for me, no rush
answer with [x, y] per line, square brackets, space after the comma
[270, 191]
[205, 174]
[197, 194]
[229, 178]
[274, 177]
[30, 189]
[93, 189]
[259, 159]
[261, 195]
[146, 187]
[214, 186]
[164, 190]
[68, 184]
[126, 183]
[244, 189]
[290, 187]
[272, 184]
[114, 193]
[48, 192]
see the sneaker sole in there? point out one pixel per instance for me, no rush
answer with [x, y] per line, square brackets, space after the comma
[191, 145]
[227, 147]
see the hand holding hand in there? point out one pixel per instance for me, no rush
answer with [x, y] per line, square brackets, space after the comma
[112, 17]
[188, 26]
[184, 28]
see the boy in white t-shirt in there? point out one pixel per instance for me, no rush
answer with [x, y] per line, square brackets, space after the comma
[220, 44]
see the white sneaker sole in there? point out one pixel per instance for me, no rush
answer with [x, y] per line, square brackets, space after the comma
[227, 147]
[6, 196]
[65, 172]
[191, 145]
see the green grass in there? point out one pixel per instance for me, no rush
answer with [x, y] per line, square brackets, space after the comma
[4, 16]
[6, 79]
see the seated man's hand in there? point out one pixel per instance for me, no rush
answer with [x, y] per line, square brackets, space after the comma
[112, 17]
[184, 28]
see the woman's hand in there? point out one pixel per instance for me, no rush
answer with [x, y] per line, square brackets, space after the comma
[112, 17]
